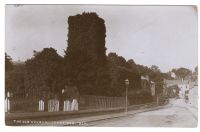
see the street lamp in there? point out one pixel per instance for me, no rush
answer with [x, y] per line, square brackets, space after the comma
[127, 84]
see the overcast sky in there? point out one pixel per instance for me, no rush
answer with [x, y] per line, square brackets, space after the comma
[165, 36]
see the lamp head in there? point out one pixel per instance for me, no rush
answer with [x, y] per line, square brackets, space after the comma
[127, 82]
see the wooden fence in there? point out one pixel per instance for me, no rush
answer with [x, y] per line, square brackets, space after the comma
[85, 102]
[100, 102]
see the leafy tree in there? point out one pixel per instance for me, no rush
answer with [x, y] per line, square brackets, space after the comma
[153, 72]
[195, 74]
[70, 91]
[8, 63]
[121, 70]
[144, 70]
[196, 70]
[182, 72]
[155, 68]
[42, 73]
[117, 63]
[174, 70]
[14, 80]
[132, 65]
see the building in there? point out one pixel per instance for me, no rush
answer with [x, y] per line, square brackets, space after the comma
[153, 88]
[183, 86]
[148, 85]
[145, 83]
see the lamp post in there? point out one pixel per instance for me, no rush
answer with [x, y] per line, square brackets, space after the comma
[127, 84]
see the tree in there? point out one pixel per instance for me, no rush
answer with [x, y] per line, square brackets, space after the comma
[196, 70]
[14, 80]
[195, 74]
[155, 68]
[144, 70]
[132, 65]
[70, 91]
[85, 58]
[116, 64]
[42, 73]
[8, 63]
[121, 70]
[182, 72]
[8, 70]
[153, 72]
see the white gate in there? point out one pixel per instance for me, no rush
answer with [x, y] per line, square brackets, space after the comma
[74, 106]
[53, 105]
[67, 105]
[7, 105]
[41, 105]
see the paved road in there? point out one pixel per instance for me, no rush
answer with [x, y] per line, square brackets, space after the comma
[176, 114]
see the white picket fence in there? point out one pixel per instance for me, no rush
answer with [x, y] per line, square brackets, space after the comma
[7, 105]
[74, 106]
[67, 105]
[53, 105]
[41, 105]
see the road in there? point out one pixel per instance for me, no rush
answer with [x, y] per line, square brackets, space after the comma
[193, 96]
[176, 114]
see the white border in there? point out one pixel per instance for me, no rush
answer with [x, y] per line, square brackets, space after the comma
[122, 2]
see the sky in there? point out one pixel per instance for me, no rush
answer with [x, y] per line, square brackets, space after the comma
[166, 36]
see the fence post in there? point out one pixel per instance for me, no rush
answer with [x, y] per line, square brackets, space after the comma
[68, 105]
[43, 105]
[57, 105]
[6, 109]
[39, 106]
[54, 105]
[7, 105]
[76, 106]
[102, 103]
[49, 105]
[64, 105]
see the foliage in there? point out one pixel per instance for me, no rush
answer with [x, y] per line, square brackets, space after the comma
[42, 73]
[155, 68]
[121, 70]
[195, 74]
[154, 73]
[196, 70]
[14, 80]
[85, 59]
[70, 92]
[8, 63]
[182, 72]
